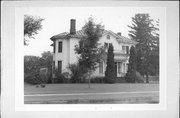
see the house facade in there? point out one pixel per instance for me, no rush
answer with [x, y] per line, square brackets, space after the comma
[64, 53]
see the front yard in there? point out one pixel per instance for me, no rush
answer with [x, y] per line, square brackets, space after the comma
[98, 93]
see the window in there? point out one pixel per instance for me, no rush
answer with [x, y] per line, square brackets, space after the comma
[107, 44]
[60, 66]
[54, 47]
[108, 37]
[119, 67]
[101, 67]
[60, 47]
[127, 49]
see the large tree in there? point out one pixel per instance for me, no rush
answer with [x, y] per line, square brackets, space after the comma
[32, 24]
[88, 46]
[110, 69]
[144, 32]
[131, 72]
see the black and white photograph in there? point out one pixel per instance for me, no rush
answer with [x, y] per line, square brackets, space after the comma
[86, 56]
[90, 59]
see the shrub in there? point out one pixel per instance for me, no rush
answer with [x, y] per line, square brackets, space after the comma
[97, 80]
[131, 72]
[110, 69]
[32, 78]
[121, 80]
[77, 74]
[139, 78]
[61, 77]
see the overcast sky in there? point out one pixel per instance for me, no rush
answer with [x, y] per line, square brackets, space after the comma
[57, 20]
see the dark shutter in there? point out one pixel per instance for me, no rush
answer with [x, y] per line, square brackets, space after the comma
[54, 47]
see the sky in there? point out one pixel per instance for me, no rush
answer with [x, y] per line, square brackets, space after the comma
[57, 20]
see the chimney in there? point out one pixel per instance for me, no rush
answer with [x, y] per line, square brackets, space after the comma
[73, 26]
[119, 33]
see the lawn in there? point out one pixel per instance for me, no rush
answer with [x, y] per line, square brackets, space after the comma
[98, 93]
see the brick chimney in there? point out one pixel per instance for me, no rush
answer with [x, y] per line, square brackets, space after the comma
[73, 26]
[119, 33]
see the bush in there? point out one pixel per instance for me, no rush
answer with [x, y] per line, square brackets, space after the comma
[121, 80]
[97, 80]
[139, 78]
[78, 73]
[110, 69]
[32, 78]
[62, 78]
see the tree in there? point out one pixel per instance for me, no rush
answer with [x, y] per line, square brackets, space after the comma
[46, 61]
[131, 73]
[32, 25]
[33, 64]
[110, 69]
[143, 31]
[88, 47]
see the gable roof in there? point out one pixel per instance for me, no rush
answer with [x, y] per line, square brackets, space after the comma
[80, 34]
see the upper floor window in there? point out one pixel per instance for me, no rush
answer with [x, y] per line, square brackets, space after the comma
[107, 44]
[125, 49]
[108, 36]
[60, 47]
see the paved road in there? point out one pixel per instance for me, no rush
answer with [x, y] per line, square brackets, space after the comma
[99, 93]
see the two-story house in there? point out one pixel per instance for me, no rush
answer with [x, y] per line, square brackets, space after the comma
[64, 53]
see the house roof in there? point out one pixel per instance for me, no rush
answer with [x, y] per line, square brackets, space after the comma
[80, 34]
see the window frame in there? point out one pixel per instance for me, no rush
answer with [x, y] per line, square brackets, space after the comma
[60, 66]
[60, 46]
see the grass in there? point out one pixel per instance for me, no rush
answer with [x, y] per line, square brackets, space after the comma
[92, 98]
[83, 88]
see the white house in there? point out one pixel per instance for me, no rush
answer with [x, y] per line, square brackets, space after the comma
[64, 53]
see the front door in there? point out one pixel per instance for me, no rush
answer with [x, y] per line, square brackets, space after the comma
[116, 69]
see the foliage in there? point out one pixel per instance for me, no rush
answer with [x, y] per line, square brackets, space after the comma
[139, 78]
[110, 69]
[88, 46]
[32, 78]
[131, 73]
[77, 73]
[121, 80]
[32, 25]
[61, 77]
[145, 33]
[97, 80]
[32, 65]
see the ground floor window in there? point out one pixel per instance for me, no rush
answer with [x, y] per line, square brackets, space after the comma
[60, 66]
